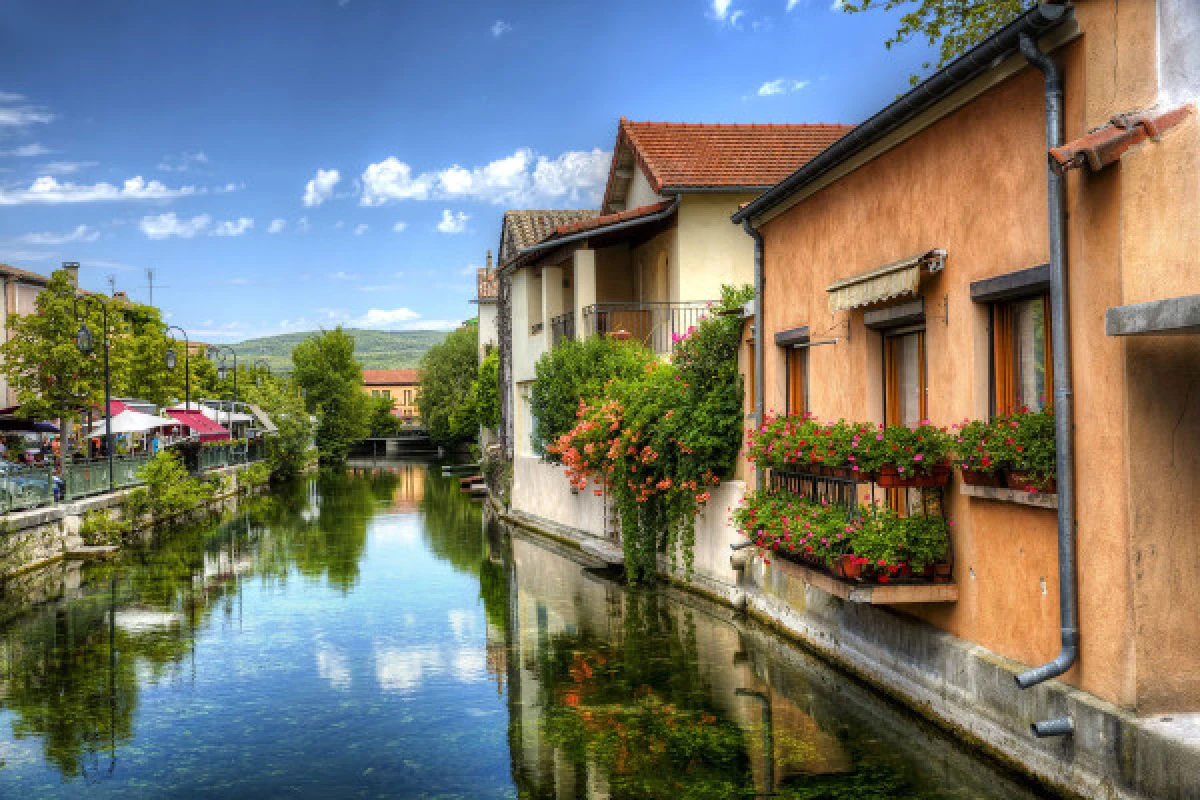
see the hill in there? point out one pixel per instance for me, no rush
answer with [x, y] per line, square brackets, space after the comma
[373, 349]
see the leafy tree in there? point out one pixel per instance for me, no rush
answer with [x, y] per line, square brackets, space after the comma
[576, 371]
[487, 390]
[140, 368]
[383, 422]
[447, 399]
[325, 368]
[287, 449]
[954, 26]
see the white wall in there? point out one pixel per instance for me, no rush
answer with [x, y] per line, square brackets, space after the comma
[640, 193]
[527, 348]
[712, 250]
[542, 489]
[1178, 51]
[489, 333]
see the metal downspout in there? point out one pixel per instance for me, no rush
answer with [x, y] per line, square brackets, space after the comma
[1063, 418]
[759, 477]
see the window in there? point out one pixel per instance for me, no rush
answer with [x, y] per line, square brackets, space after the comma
[796, 369]
[387, 393]
[905, 399]
[1021, 355]
[374, 393]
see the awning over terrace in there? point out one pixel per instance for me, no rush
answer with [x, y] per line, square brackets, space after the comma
[263, 419]
[130, 421]
[896, 279]
[208, 430]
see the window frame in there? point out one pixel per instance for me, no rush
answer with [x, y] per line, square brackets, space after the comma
[795, 371]
[997, 330]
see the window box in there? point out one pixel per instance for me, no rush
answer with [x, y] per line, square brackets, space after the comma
[1025, 482]
[973, 477]
[891, 478]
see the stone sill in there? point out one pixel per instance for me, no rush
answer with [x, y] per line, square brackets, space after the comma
[1035, 499]
[870, 594]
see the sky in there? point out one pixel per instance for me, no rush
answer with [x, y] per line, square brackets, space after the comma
[287, 165]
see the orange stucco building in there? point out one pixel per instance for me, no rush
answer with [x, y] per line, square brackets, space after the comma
[898, 261]
[402, 386]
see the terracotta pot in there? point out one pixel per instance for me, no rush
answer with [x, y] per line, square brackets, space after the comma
[891, 478]
[973, 477]
[1021, 481]
[943, 573]
[850, 568]
[839, 472]
[837, 568]
[927, 571]
[905, 571]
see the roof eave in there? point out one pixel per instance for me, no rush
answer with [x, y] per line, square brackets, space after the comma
[978, 60]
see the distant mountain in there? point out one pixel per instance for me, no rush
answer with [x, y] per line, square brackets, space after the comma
[373, 349]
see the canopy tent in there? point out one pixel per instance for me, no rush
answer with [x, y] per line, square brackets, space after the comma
[219, 415]
[208, 430]
[21, 425]
[130, 421]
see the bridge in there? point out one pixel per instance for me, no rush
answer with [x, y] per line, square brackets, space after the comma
[408, 442]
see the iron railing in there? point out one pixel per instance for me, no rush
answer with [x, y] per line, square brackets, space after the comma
[562, 327]
[839, 492]
[86, 478]
[656, 325]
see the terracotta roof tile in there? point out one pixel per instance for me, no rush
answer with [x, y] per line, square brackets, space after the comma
[697, 156]
[524, 228]
[23, 274]
[390, 377]
[609, 219]
[486, 285]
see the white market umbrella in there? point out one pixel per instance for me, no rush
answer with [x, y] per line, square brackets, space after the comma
[130, 421]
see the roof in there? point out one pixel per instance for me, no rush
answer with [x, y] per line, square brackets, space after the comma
[391, 377]
[528, 227]
[209, 430]
[1108, 143]
[610, 219]
[24, 275]
[486, 285]
[977, 61]
[677, 155]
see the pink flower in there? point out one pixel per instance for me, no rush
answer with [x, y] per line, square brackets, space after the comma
[918, 457]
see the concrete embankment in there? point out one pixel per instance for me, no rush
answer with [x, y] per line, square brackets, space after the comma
[30, 540]
[957, 685]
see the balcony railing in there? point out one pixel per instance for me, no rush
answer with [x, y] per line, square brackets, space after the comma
[654, 324]
[562, 327]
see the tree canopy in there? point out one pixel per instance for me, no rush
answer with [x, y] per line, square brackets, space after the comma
[325, 368]
[447, 397]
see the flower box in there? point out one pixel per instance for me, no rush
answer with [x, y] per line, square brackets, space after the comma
[973, 477]
[1024, 482]
[891, 478]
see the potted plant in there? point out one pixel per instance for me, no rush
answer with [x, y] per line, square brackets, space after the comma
[916, 457]
[1030, 446]
[926, 542]
[979, 463]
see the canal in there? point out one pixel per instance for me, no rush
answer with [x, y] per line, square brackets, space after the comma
[368, 635]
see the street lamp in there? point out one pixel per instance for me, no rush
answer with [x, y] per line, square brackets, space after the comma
[222, 373]
[260, 362]
[84, 341]
[172, 359]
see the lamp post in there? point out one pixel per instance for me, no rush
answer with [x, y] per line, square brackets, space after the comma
[261, 362]
[187, 364]
[222, 372]
[84, 341]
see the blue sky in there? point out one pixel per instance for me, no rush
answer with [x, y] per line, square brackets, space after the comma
[289, 164]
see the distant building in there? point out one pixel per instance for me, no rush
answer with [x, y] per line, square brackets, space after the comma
[400, 385]
[487, 284]
[20, 288]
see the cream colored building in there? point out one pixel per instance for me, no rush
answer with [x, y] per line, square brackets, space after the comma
[20, 291]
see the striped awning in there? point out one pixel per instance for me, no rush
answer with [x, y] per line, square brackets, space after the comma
[898, 278]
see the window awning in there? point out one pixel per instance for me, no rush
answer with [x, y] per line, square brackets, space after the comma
[208, 430]
[898, 278]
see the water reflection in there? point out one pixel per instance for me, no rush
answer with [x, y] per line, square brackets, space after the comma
[369, 634]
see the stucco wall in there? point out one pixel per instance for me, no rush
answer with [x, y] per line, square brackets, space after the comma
[640, 193]
[914, 198]
[527, 348]
[542, 489]
[712, 252]
[1178, 55]
[488, 331]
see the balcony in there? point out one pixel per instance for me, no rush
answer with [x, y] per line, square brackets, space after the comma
[562, 328]
[653, 324]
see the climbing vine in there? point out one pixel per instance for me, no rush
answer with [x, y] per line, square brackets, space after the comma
[660, 440]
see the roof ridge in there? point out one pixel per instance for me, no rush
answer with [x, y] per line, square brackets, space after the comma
[739, 125]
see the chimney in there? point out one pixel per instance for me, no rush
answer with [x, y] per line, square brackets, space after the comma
[72, 268]
[489, 262]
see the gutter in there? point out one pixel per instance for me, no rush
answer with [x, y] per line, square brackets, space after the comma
[759, 328]
[1000, 45]
[549, 244]
[1063, 419]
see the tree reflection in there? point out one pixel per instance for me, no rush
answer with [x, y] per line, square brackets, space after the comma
[452, 524]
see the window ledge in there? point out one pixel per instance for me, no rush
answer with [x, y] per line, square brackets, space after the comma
[880, 594]
[1035, 499]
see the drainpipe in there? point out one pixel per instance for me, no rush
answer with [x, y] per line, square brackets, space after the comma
[1063, 421]
[759, 477]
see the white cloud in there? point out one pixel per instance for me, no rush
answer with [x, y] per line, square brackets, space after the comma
[334, 667]
[182, 163]
[16, 113]
[386, 318]
[837, 5]
[735, 19]
[66, 167]
[26, 150]
[720, 9]
[781, 86]
[792, 4]
[48, 190]
[167, 225]
[500, 27]
[361, 228]
[229, 187]
[400, 227]
[320, 188]
[401, 670]
[342, 275]
[82, 233]
[453, 221]
[302, 225]
[277, 226]
[234, 227]
[524, 178]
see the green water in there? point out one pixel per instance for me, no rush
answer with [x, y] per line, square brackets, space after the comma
[372, 636]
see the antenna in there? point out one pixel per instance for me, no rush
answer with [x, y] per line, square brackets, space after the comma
[112, 285]
[150, 284]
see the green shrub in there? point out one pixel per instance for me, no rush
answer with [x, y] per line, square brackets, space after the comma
[100, 527]
[487, 390]
[577, 371]
[170, 489]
